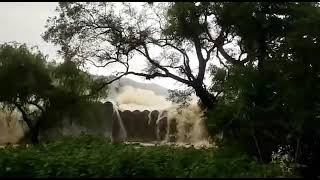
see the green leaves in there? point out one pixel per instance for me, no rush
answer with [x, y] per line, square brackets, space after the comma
[29, 81]
[274, 96]
[88, 156]
[23, 72]
[183, 20]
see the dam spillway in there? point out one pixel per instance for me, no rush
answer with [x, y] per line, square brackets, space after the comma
[121, 125]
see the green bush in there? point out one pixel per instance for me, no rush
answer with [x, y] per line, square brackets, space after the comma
[89, 156]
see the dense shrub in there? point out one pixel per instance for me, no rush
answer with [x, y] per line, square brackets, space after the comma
[88, 156]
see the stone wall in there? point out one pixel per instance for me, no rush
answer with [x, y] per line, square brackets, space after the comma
[140, 126]
[93, 118]
[102, 119]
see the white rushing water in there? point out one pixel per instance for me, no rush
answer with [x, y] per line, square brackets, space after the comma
[191, 130]
[119, 119]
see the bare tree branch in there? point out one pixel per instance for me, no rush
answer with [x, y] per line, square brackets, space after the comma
[209, 53]
[148, 76]
[231, 59]
[146, 54]
[104, 65]
[201, 60]
[186, 60]
[221, 62]
[37, 105]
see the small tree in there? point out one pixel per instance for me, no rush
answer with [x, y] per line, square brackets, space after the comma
[35, 88]
[25, 83]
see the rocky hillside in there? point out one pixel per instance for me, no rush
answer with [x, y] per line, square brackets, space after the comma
[115, 87]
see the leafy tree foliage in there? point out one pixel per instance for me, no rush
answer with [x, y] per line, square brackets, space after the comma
[100, 34]
[25, 82]
[272, 100]
[35, 88]
[93, 157]
[263, 95]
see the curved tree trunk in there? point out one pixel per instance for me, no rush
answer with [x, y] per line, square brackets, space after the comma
[207, 99]
[33, 129]
[34, 134]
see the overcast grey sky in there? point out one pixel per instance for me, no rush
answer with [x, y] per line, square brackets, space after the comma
[24, 22]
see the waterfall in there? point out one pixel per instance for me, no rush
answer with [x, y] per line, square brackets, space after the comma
[123, 129]
[160, 116]
[149, 117]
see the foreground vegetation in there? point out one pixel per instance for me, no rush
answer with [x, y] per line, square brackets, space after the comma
[263, 97]
[89, 156]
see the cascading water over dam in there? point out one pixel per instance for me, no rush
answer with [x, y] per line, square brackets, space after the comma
[160, 124]
[136, 115]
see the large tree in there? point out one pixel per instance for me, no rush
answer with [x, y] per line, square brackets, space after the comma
[182, 34]
[274, 100]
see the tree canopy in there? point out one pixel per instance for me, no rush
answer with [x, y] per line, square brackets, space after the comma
[25, 81]
[261, 57]
[34, 87]
[273, 101]
[100, 34]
